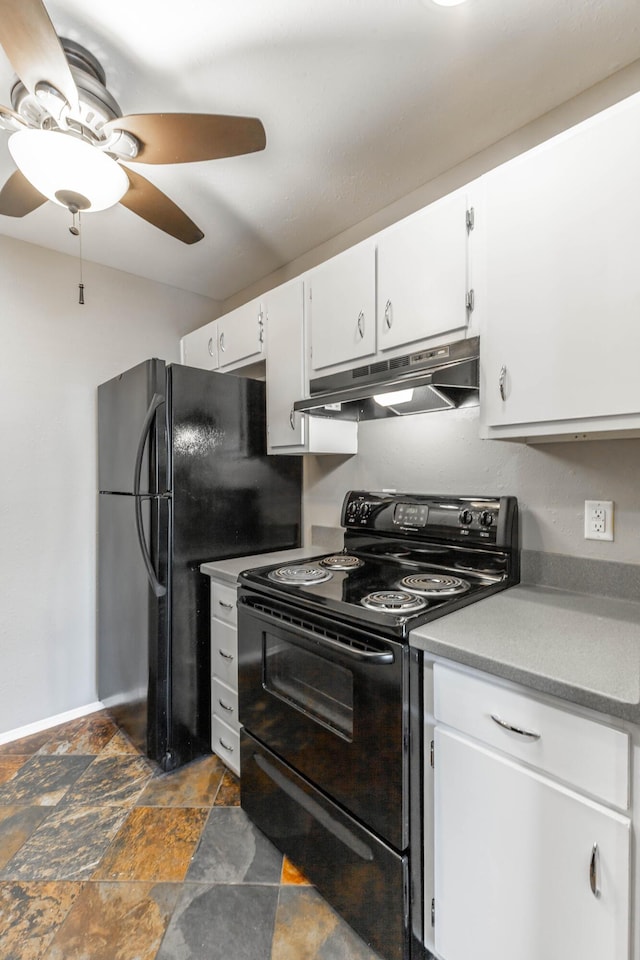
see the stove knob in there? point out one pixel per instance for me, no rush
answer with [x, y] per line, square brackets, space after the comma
[365, 510]
[486, 518]
[352, 510]
[466, 517]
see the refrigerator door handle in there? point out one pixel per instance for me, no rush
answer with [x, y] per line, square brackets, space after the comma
[156, 586]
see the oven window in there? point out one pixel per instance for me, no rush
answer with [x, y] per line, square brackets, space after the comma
[319, 688]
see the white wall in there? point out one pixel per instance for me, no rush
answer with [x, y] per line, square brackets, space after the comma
[441, 453]
[53, 354]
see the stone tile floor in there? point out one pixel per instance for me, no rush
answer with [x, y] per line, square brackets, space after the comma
[104, 857]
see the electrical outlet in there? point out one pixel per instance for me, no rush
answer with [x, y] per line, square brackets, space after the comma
[598, 519]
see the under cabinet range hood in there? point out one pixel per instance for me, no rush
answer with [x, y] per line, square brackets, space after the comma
[440, 378]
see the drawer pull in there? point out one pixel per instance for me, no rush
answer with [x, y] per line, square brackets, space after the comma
[227, 606]
[508, 726]
[227, 656]
[225, 746]
[593, 871]
[225, 706]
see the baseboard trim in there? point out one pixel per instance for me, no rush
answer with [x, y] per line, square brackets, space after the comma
[19, 732]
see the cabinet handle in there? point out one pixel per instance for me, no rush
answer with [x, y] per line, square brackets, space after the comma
[593, 871]
[226, 656]
[227, 606]
[502, 382]
[508, 726]
[226, 746]
[210, 346]
[388, 314]
[361, 325]
[292, 419]
[222, 346]
[225, 706]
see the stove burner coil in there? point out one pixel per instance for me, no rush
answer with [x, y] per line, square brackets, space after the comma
[393, 601]
[341, 561]
[434, 585]
[300, 575]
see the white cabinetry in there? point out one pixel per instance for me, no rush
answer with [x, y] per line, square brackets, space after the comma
[225, 726]
[531, 857]
[290, 432]
[342, 302]
[422, 285]
[560, 345]
[200, 347]
[241, 336]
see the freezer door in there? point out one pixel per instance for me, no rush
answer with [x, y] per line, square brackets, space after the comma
[132, 423]
[133, 623]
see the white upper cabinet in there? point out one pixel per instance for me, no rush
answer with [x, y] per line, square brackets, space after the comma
[423, 274]
[290, 432]
[342, 304]
[241, 336]
[200, 348]
[560, 345]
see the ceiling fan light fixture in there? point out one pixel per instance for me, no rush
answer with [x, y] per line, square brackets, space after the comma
[58, 164]
[447, 3]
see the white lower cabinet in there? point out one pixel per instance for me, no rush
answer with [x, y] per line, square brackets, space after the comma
[526, 865]
[225, 726]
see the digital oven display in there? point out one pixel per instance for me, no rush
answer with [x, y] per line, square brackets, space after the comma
[411, 514]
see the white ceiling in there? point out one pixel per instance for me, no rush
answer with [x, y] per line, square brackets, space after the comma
[363, 101]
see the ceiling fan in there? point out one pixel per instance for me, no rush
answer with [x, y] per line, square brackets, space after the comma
[70, 141]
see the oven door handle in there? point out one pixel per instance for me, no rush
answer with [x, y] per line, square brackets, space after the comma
[370, 657]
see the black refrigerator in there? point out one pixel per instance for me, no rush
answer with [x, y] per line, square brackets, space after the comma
[183, 478]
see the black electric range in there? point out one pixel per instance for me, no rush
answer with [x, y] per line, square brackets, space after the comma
[406, 559]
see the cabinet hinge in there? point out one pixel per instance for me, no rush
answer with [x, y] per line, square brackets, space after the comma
[470, 300]
[471, 219]
[432, 754]
[261, 327]
[433, 912]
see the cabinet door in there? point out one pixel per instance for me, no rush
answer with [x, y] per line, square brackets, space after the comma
[513, 863]
[241, 336]
[562, 339]
[285, 372]
[422, 274]
[342, 307]
[200, 348]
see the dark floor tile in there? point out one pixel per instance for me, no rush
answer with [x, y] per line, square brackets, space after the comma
[26, 745]
[228, 794]
[306, 928]
[16, 826]
[86, 735]
[68, 845]
[155, 844]
[194, 785]
[30, 914]
[221, 923]
[115, 921]
[116, 781]
[9, 766]
[232, 850]
[43, 780]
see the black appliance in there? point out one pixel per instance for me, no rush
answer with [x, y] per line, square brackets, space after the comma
[183, 478]
[330, 694]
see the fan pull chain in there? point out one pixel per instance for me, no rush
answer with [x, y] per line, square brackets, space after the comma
[76, 231]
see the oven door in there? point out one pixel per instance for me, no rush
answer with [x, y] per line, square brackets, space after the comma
[332, 702]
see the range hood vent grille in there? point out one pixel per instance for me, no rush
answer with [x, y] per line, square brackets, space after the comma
[440, 378]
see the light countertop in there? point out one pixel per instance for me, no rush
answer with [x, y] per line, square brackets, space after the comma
[582, 648]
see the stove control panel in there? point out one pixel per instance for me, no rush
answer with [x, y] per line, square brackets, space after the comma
[492, 520]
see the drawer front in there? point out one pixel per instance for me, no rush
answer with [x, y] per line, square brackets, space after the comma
[224, 654]
[224, 703]
[225, 742]
[584, 753]
[223, 603]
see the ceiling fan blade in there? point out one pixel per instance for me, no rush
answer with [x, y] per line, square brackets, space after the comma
[19, 197]
[156, 208]
[30, 42]
[188, 137]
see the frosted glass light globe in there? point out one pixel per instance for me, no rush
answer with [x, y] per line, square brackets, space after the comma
[58, 164]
